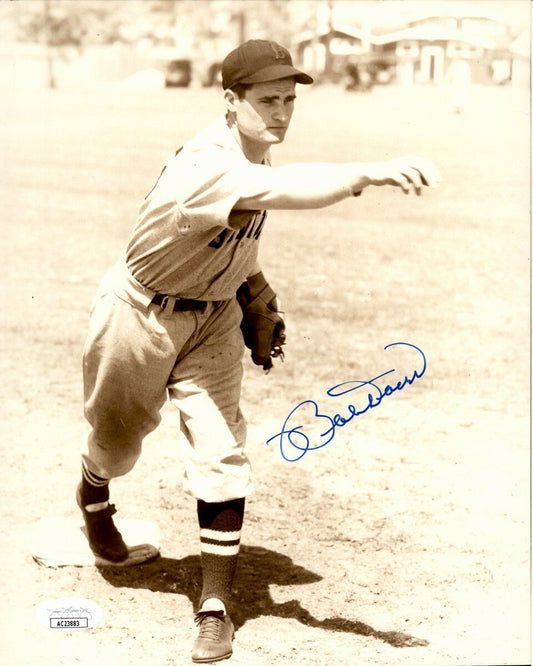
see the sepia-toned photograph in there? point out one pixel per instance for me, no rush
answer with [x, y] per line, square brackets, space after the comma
[266, 332]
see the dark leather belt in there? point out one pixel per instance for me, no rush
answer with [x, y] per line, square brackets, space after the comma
[181, 304]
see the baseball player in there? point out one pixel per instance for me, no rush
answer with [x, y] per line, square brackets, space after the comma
[173, 316]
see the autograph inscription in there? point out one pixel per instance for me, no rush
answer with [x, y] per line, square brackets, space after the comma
[294, 442]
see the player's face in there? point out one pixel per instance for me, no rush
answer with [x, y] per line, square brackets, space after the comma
[264, 113]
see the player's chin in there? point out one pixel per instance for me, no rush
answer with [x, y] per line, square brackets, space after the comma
[276, 134]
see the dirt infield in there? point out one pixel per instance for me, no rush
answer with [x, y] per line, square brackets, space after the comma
[405, 540]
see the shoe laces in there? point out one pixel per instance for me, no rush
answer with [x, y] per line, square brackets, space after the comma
[211, 624]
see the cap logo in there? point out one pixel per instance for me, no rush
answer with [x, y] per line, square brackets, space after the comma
[278, 52]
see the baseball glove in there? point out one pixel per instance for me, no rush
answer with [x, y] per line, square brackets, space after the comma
[262, 327]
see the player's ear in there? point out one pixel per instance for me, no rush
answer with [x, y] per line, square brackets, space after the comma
[230, 97]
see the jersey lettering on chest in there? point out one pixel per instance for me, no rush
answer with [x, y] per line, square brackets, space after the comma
[251, 230]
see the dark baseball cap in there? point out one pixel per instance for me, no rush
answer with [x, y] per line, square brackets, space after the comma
[258, 61]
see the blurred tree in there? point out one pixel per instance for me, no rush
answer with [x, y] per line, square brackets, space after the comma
[82, 22]
[77, 23]
[48, 44]
[59, 24]
[194, 25]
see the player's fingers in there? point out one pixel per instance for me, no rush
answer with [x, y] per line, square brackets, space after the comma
[429, 173]
[404, 183]
[423, 179]
[414, 179]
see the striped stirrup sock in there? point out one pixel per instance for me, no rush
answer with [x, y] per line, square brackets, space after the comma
[220, 536]
[94, 489]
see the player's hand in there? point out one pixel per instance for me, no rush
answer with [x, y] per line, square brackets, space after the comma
[410, 173]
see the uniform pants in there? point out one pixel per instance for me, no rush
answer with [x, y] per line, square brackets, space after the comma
[136, 355]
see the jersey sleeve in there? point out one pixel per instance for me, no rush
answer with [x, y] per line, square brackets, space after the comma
[207, 184]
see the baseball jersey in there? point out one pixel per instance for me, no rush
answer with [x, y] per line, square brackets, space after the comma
[189, 240]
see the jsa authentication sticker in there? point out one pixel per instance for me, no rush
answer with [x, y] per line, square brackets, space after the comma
[69, 614]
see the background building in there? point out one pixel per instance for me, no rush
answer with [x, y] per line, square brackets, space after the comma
[423, 51]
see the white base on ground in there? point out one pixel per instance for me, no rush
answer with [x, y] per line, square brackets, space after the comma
[57, 542]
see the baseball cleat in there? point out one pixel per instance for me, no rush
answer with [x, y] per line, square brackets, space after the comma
[107, 543]
[136, 555]
[214, 641]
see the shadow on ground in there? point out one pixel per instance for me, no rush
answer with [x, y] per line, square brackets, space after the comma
[258, 569]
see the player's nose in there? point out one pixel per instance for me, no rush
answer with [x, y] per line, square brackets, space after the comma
[280, 113]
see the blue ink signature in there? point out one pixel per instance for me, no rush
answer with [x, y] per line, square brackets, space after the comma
[292, 439]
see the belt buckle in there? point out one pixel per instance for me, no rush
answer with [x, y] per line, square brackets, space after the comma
[168, 305]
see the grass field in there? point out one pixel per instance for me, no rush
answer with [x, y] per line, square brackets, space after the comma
[406, 539]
